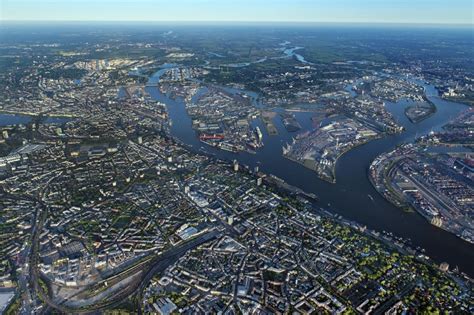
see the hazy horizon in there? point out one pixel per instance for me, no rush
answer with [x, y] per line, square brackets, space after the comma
[425, 12]
[234, 23]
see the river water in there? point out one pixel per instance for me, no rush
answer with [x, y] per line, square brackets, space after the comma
[353, 196]
[11, 119]
[19, 119]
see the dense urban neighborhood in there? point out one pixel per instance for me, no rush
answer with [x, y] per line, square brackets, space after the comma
[135, 174]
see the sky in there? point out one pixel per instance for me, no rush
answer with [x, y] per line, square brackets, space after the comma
[359, 11]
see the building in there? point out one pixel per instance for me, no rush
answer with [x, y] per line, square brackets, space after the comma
[164, 306]
[236, 166]
[444, 267]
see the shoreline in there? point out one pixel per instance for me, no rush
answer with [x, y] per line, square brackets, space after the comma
[416, 120]
[333, 179]
[385, 239]
[402, 204]
[323, 182]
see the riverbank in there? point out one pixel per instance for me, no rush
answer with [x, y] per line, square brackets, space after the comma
[349, 196]
[417, 113]
[333, 178]
[400, 176]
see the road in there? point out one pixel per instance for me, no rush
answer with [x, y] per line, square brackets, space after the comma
[157, 265]
[162, 262]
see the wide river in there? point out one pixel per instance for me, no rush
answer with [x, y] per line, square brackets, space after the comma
[352, 196]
